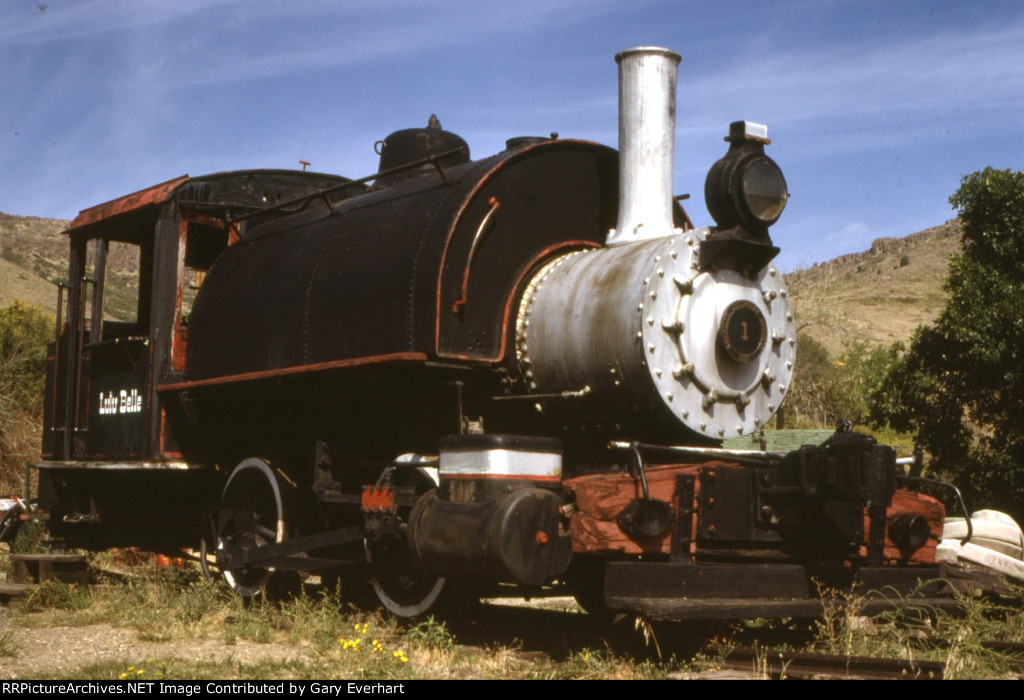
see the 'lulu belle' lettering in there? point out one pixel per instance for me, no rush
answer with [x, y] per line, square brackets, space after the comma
[122, 402]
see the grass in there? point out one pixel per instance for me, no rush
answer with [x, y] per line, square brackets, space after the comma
[317, 636]
[914, 632]
[432, 634]
[321, 638]
[314, 636]
[183, 669]
[57, 597]
[10, 643]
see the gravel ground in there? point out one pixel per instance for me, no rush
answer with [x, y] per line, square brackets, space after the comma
[56, 650]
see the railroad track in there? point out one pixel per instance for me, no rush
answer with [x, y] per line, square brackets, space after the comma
[559, 633]
[774, 663]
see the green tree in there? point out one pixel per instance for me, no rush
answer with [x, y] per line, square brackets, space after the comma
[24, 331]
[826, 390]
[860, 372]
[960, 386]
[807, 402]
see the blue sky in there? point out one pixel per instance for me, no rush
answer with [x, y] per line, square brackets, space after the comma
[875, 108]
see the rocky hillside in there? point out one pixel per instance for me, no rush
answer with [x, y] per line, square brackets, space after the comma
[878, 296]
[33, 258]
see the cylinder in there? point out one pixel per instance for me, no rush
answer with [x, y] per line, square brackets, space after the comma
[515, 539]
[647, 116]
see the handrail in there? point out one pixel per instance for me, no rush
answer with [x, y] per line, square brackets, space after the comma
[322, 194]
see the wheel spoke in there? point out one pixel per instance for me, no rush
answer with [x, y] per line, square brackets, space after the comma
[251, 512]
[268, 534]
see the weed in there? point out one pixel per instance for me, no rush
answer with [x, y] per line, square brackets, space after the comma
[30, 538]
[433, 634]
[356, 642]
[184, 669]
[643, 625]
[970, 653]
[370, 646]
[652, 671]
[10, 644]
[57, 595]
[250, 620]
[147, 671]
[590, 664]
[198, 602]
[761, 664]
[316, 619]
[840, 619]
[963, 640]
[585, 663]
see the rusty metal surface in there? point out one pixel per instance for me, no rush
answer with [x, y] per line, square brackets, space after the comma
[293, 371]
[156, 194]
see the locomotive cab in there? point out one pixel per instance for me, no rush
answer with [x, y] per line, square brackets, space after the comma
[112, 464]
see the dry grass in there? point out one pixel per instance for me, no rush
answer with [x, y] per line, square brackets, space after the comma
[20, 439]
[313, 636]
[316, 636]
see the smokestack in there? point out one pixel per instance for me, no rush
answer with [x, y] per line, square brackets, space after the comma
[647, 131]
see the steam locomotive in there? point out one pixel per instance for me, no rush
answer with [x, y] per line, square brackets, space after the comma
[514, 370]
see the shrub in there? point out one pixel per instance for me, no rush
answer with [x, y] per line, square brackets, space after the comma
[24, 331]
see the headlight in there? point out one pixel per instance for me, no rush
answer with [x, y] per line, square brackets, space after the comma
[746, 188]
